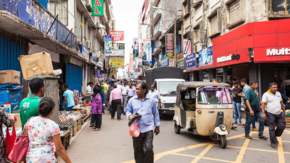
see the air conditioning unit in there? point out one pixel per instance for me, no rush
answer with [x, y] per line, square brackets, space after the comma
[89, 45]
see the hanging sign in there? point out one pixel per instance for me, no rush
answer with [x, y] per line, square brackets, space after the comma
[117, 35]
[147, 50]
[108, 44]
[169, 47]
[186, 47]
[98, 7]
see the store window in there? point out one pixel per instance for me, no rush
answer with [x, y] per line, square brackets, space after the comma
[59, 7]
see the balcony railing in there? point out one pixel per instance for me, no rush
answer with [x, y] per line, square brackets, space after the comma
[33, 13]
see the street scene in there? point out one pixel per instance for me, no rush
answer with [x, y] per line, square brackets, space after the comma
[145, 81]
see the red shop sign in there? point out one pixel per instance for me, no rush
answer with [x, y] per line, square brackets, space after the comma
[274, 54]
[238, 57]
[117, 35]
[169, 47]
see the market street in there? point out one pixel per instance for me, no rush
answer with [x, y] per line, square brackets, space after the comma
[114, 145]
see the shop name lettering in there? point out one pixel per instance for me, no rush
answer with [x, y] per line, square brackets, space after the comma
[169, 43]
[228, 58]
[273, 52]
[97, 3]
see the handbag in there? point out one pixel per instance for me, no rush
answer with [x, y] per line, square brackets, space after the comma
[20, 148]
[9, 141]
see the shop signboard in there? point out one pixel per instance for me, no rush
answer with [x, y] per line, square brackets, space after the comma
[75, 61]
[117, 62]
[205, 57]
[135, 46]
[186, 47]
[94, 58]
[169, 47]
[191, 61]
[266, 55]
[98, 7]
[117, 35]
[147, 49]
[85, 51]
[171, 62]
[119, 50]
[164, 62]
[108, 44]
[100, 62]
[181, 63]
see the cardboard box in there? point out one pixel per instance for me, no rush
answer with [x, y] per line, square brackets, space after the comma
[10, 77]
[36, 64]
[10, 95]
[18, 121]
[11, 108]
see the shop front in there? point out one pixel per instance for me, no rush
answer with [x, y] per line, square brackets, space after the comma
[74, 74]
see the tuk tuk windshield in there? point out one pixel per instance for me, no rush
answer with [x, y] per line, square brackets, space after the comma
[214, 96]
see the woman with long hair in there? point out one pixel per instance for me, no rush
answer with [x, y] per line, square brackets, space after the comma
[96, 108]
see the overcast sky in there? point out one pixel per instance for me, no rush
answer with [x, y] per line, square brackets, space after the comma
[126, 15]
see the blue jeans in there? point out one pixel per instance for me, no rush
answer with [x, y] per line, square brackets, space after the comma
[254, 118]
[69, 108]
[249, 121]
[237, 109]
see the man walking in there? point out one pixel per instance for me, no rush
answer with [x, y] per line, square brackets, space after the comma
[271, 107]
[131, 91]
[252, 108]
[145, 106]
[29, 106]
[155, 95]
[106, 86]
[237, 102]
[69, 98]
[124, 89]
[116, 100]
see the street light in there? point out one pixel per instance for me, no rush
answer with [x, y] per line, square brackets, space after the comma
[158, 8]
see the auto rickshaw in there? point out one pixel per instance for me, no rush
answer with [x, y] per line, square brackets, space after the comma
[204, 108]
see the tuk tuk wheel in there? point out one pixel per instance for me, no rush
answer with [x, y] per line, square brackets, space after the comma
[176, 128]
[222, 141]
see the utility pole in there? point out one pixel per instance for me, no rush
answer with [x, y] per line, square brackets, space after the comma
[175, 57]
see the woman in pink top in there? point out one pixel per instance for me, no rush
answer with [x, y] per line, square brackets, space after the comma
[96, 108]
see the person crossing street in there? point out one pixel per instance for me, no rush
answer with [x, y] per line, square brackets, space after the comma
[272, 104]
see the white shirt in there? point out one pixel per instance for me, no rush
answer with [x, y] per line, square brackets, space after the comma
[89, 90]
[124, 90]
[272, 102]
[155, 94]
[119, 87]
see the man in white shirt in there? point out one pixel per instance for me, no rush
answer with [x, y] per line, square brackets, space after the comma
[154, 94]
[272, 104]
[124, 89]
[89, 91]
[119, 86]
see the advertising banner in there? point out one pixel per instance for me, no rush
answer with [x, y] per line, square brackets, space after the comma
[119, 50]
[186, 47]
[164, 62]
[169, 47]
[94, 58]
[191, 61]
[147, 50]
[108, 44]
[117, 62]
[171, 63]
[117, 35]
[135, 46]
[98, 7]
[205, 57]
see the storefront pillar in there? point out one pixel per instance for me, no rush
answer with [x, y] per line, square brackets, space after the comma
[225, 74]
[211, 74]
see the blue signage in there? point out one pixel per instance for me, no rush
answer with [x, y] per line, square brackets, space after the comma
[164, 62]
[191, 61]
[85, 51]
[108, 43]
[205, 57]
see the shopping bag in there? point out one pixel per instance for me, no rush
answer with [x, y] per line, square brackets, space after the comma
[20, 148]
[134, 130]
[9, 141]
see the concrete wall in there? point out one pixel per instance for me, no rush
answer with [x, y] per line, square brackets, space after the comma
[71, 16]
[168, 17]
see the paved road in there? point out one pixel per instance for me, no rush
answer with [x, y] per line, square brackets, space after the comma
[114, 145]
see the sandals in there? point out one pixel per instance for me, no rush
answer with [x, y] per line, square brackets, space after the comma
[97, 129]
[263, 137]
[248, 137]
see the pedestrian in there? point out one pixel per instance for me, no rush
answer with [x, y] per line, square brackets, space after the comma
[119, 86]
[153, 93]
[44, 135]
[106, 86]
[237, 94]
[124, 89]
[246, 87]
[96, 108]
[145, 106]
[104, 102]
[252, 108]
[116, 100]
[89, 92]
[131, 91]
[254, 118]
[69, 98]
[272, 104]
[8, 122]
[111, 87]
[29, 106]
